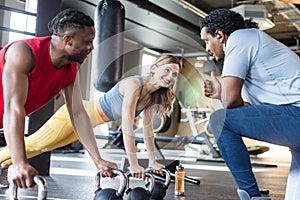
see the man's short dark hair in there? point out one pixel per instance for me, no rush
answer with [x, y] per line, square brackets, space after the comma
[226, 21]
[69, 19]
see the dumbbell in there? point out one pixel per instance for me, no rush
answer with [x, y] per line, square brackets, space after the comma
[110, 193]
[172, 168]
[161, 186]
[140, 193]
[39, 181]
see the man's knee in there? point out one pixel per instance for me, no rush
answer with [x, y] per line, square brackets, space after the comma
[216, 122]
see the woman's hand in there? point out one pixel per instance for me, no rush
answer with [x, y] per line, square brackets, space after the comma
[137, 171]
[157, 168]
[106, 167]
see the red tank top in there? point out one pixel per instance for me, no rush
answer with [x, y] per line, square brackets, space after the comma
[45, 81]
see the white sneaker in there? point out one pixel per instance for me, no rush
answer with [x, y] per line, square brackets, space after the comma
[3, 178]
[245, 196]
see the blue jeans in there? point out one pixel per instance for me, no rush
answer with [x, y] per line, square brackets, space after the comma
[270, 123]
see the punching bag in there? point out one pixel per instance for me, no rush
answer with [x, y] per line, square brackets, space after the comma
[108, 48]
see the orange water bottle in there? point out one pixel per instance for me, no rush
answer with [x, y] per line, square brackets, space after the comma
[179, 180]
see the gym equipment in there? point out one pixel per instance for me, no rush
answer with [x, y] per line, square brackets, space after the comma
[169, 165]
[115, 138]
[172, 168]
[110, 193]
[140, 193]
[257, 149]
[194, 117]
[2, 139]
[162, 127]
[42, 189]
[75, 147]
[167, 126]
[109, 39]
[254, 150]
[160, 188]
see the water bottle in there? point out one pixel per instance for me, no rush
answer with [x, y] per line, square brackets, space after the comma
[179, 180]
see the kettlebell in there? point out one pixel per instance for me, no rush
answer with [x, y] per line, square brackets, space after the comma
[140, 193]
[160, 188]
[39, 181]
[110, 193]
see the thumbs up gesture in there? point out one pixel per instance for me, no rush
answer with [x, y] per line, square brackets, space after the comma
[212, 88]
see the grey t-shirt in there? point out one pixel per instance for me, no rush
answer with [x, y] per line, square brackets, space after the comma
[270, 70]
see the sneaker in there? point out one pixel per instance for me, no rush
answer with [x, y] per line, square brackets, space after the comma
[245, 196]
[3, 178]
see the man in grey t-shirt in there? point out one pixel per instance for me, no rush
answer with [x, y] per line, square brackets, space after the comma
[267, 74]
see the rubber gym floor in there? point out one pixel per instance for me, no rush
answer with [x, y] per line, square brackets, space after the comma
[72, 175]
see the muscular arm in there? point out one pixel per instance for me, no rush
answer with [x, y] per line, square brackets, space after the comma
[19, 62]
[231, 92]
[82, 125]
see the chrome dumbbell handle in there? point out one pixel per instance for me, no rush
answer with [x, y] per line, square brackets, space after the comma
[166, 179]
[42, 187]
[39, 181]
[150, 179]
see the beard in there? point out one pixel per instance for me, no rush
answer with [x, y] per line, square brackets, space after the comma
[77, 58]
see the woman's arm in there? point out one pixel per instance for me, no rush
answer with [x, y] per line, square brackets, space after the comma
[149, 139]
[130, 89]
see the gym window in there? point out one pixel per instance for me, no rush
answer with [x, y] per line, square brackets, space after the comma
[148, 57]
[23, 22]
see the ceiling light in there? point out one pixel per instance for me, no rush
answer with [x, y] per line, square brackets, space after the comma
[191, 7]
[257, 13]
[291, 1]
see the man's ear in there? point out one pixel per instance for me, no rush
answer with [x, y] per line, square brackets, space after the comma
[220, 35]
[68, 39]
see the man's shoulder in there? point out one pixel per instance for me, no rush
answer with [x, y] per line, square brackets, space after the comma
[246, 33]
[37, 40]
[244, 38]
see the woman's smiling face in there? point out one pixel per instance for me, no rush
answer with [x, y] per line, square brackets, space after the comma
[166, 75]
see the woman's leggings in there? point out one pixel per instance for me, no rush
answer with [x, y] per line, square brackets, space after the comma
[56, 132]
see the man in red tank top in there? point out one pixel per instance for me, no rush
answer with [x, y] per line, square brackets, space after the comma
[33, 71]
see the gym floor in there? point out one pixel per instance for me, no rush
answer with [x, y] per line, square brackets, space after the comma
[72, 175]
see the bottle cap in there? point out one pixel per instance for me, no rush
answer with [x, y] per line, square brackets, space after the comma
[179, 167]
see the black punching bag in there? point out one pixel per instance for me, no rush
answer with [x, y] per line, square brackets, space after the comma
[108, 52]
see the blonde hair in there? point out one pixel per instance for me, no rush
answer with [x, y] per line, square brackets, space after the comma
[163, 99]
